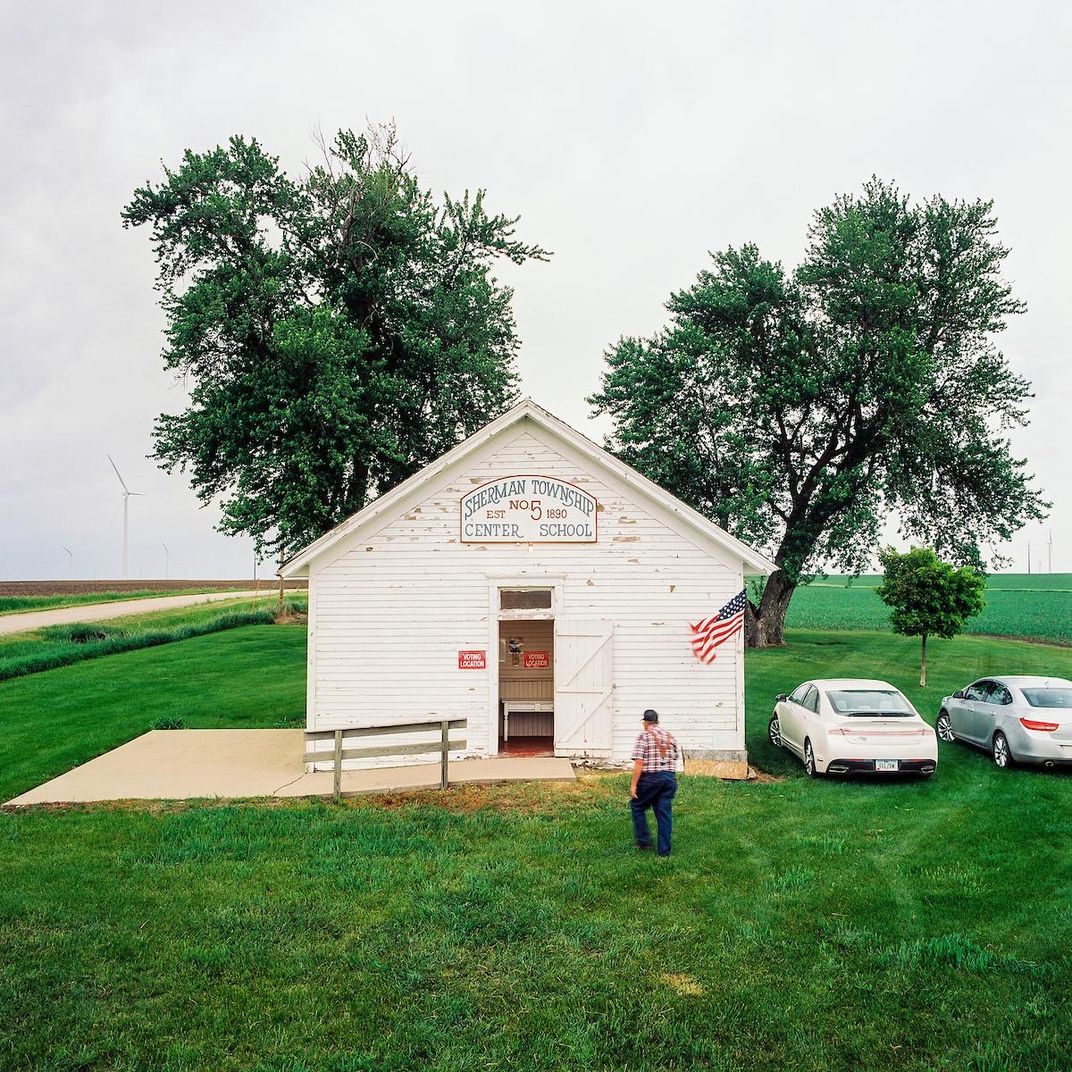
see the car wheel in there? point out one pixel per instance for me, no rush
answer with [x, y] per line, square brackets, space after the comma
[809, 759]
[1001, 751]
[774, 731]
[944, 726]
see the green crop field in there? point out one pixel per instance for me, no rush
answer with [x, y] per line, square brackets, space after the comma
[1038, 606]
[804, 925]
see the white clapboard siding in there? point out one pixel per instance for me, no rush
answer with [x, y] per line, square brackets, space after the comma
[530, 724]
[391, 610]
[527, 690]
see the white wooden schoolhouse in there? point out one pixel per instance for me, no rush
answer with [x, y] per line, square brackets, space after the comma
[533, 584]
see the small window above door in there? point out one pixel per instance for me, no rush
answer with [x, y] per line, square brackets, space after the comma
[524, 598]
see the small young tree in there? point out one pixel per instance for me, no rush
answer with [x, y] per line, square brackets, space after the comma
[928, 597]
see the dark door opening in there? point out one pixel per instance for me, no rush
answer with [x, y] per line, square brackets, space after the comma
[526, 687]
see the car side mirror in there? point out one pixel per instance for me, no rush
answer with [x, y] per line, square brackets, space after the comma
[781, 698]
[958, 695]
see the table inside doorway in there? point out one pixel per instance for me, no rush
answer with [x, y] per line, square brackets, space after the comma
[519, 706]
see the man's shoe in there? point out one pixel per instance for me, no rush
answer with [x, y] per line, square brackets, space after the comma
[644, 848]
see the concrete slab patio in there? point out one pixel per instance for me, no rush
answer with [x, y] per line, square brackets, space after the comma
[228, 764]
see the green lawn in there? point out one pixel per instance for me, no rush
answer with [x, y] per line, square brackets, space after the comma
[803, 925]
[60, 645]
[1018, 605]
[52, 721]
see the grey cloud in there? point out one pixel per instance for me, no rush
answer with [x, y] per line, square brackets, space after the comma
[631, 138]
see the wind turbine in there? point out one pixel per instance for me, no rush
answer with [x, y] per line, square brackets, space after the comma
[126, 503]
[70, 561]
[167, 556]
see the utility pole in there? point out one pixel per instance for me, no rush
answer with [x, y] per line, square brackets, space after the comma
[1029, 558]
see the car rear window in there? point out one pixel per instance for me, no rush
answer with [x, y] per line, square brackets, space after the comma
[869, 702]
[1050, 697]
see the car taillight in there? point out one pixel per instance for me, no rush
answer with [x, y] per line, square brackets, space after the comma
[1031, 724]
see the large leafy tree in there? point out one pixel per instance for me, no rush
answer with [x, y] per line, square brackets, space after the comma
[799, 410]
[336, 331]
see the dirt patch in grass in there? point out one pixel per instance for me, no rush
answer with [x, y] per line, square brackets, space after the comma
[763, 778]
[683, 984]
[290, 616]
[81, 807]
[466, 798]
[538, 798]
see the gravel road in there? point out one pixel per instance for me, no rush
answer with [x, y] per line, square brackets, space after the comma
[24, 621]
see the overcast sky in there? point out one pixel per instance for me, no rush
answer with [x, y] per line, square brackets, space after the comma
[632, 139]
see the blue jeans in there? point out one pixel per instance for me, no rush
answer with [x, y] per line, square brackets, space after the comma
[655, 791]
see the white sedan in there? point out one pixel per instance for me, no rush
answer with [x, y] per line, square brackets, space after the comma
[849, 726]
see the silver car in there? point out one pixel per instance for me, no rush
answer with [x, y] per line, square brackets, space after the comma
[1016, 719]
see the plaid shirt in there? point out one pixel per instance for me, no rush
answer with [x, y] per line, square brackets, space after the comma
[650, 747]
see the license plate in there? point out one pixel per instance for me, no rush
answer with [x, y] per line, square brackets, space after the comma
[885, 764]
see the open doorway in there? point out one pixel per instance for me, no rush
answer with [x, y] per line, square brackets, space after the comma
[526, 675]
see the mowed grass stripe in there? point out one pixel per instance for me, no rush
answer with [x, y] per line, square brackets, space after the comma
[811, 925]
[53, 646]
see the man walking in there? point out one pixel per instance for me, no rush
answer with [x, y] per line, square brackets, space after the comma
[654, 782]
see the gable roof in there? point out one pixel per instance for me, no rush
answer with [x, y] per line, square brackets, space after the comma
[672, 511]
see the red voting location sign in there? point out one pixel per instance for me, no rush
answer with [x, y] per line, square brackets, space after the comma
[537, 660]
[472, 660]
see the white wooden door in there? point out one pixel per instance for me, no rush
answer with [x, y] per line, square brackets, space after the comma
[584, 685]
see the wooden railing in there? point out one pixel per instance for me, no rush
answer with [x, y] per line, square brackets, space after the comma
[340, 737]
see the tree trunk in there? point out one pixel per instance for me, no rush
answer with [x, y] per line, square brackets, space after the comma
[282, 559]
[356, 488]
[764, 626]
[923, 661]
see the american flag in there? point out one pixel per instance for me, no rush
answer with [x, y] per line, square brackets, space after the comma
[708, 634]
